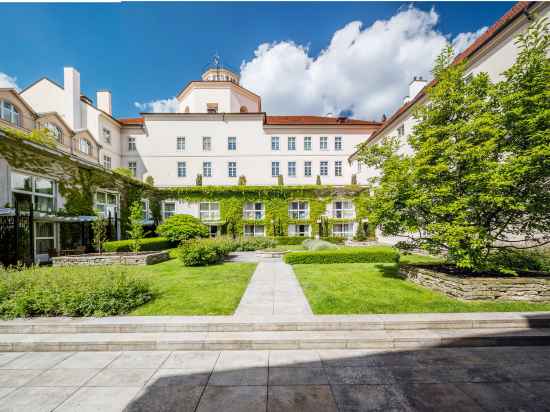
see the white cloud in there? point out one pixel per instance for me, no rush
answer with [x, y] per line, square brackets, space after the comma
[7, 81]
[365, 70]
[159, 106]
[463, 40]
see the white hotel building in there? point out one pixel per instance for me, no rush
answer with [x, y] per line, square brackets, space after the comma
[219, 132]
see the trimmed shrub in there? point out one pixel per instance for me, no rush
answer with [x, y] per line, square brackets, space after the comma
[290, 240]
[316, 244]
[147, 244]
[374, 254]
[510, 261]
[182, 227]
[201, 252]
[71, 291]
[334, 239]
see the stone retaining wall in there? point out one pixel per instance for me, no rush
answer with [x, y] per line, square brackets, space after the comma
[530, 289]
[141, 258]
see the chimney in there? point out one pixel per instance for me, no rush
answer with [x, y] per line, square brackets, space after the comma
[104, 101]
[71, 84]
[416, 85]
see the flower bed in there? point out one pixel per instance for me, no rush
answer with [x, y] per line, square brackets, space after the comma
[90, 259]
[524, 288]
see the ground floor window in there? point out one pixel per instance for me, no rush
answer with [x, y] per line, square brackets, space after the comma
[38, 190]
[254, 210]
[106, 203]
[44, 238]
[298, 230]
[342, 230]
[168, 209]
[254, 230]
[209, 211]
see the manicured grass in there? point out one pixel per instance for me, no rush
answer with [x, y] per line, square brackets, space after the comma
[206, 290]
[355, 288]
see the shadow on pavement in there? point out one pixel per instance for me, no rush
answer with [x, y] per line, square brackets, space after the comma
[514, 378]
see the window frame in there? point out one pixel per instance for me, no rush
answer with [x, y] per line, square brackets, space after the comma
[232, 169]
[207, 143]
[323, 166]
[210, 214]
[275, 143]
[251, 212]
[307, 144]
[346, 210]
[291, 168]
[181, 168]
[338, 168]
[308, 165]
[84, 143]
[301, 212]
[106, 136]
[338, 143]
[55, 131]
[231, 143]
[323, 143]
[207, 166]
[180, 143]
[132, 166]
[167, 213]
[107, 162]
[33, 193]
[12, 110]
[291, 143]
[348, 234]
[277, 164]
[132, 144]
[254, 232]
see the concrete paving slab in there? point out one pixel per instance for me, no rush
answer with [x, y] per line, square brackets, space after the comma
[359, 375]
[297, 376]
[13, 378]
[36, 360]
[438, 397]
[35, 399]
[234, 399]
[139, 360]
[196, 360]
[88, 399]
[294, 358]
[121, 377]
[370, 398]
[231, 360]
[306, 398]
[509, 396]
[63, 377]
[82, 360]
[251, 376]
[166, 398]
[179, 377]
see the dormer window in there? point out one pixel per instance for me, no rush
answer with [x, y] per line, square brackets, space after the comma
[106, 135]
[212, 107]
[9, 113]
[401, 131]
[55, 131]
[85, 147]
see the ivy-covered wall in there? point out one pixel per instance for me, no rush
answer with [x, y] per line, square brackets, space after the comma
[276, 203]
[79, 182]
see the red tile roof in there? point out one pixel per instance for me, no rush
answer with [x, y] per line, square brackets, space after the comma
[131, 121]
[317, 120]
[491, 32]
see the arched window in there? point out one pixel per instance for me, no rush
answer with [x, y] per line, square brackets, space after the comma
[9, 112]
[244, 109]
[186, 109]
[55, 130]
[84, 146]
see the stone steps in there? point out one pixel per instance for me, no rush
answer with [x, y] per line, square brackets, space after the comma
[362, 339]
[179, 324]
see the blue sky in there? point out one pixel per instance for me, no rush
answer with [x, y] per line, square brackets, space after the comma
[143, 52]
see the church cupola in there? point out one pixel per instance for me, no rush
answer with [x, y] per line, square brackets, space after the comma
[216, 72]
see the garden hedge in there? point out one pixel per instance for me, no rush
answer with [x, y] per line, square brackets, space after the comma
[290, 240]
[147, 244]
[375, 254]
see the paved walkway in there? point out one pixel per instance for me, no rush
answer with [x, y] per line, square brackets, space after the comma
[273, 290]
[457, 379]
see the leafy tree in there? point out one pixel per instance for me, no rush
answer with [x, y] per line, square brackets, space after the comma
[182, 227]
[198, 180]
[360, 234]
[318, 180]
[150, 180]
[136, 232]
[242, 180]
[99, 228]
[480, 172]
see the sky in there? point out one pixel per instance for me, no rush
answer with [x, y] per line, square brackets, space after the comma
[319, 58]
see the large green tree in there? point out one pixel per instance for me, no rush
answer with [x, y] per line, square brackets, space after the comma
[478, 180]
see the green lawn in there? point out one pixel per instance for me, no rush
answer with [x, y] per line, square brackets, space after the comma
[207, 290]
[356, 288]
[284, 248]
